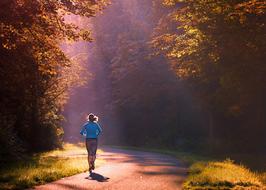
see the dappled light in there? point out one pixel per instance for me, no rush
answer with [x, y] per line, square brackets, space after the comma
[183, 79]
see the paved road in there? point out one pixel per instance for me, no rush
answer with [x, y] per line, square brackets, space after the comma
[127, 170]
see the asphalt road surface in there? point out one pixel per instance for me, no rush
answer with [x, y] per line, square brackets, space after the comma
[127, 170]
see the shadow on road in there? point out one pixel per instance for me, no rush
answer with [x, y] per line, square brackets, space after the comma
[98, 177]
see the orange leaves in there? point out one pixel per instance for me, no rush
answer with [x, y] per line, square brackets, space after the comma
[7, 34]
[35, 72]
[252, 7]
[245, 9]
[47, 70]
[38, 27]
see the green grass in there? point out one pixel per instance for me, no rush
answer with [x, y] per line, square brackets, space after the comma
[45, 167]
[221, 175]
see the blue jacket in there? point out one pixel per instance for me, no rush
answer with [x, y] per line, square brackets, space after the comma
[91, 130]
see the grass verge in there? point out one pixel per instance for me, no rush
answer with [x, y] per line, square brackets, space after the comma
[212, 173]
[221, 175]
[45, 167]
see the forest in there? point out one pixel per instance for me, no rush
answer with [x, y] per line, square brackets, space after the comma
[178, 75]
[186, 75]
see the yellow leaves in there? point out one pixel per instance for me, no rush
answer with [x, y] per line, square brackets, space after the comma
[171, 2]
[193, 31]
[51, 72]
[185, 69]
[8, 45]
[86, 35]
[168, 38]
[46, 69]
[217, 10]
[214, 57]
[51, 114]
[182, 72]
[183, 45]
[181, 48]
[59, 131]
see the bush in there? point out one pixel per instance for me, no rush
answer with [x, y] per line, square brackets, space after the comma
[11, 146]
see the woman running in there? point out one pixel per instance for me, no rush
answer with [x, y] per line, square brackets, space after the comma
[91, 130]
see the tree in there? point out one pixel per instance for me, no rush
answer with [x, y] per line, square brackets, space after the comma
[35, 71]
[218, 47]
[140, 94]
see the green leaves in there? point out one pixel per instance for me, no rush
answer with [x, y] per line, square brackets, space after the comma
[218, 47]
[204, 33]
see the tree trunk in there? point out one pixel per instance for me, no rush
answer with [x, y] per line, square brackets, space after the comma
[211, 132]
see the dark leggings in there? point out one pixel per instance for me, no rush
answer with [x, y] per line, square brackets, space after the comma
[91, 145]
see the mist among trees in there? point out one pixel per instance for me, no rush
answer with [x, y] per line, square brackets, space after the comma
[159, 73]
[181, 75]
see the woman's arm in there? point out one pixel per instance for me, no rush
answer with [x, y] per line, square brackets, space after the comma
[99, 129]
[83, 129]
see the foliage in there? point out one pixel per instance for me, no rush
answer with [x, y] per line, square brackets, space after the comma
[35, 73]
[186, 74]
[218, 48]
[140, 95]
[9, 141]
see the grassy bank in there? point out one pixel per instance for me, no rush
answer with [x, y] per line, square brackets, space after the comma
[45, 167]
[216, 172]
[221, 175]
[247, 172]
